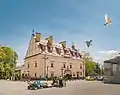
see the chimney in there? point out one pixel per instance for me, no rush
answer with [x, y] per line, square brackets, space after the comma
[38, 35]
[50, 40]
[63, 43]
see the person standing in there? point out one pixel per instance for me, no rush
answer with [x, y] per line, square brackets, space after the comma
[60, 82]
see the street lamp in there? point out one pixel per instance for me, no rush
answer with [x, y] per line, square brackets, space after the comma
[62, 71]
[28, 75]
[83, 67]
[47, 71]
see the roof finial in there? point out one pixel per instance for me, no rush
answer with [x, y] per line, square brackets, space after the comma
[33, 33]
[73, 43]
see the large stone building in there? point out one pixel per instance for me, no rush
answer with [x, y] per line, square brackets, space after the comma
[112, 70]
[47, 58]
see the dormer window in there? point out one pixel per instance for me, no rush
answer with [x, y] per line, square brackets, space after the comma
[50, 48]
[58, 50]
[42, 47]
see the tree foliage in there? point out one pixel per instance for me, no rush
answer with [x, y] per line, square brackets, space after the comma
[89, 66]
[97, 69]
[8, 59]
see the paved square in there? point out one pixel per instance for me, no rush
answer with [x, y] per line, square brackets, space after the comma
[73, 88]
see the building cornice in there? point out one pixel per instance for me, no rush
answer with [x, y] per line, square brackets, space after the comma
[32, 56]
[51, 55]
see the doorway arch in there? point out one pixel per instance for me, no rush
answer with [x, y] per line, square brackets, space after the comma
[68, 74]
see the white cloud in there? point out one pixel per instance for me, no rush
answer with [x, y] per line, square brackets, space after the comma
[104, 55]
[109, 52]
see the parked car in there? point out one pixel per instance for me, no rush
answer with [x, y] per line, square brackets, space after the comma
[55, 85]
[50, 86]
[35, 85]
[44, 85]
[89, 78]
[100, 78]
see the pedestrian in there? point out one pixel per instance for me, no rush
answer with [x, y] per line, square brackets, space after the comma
[60, 82]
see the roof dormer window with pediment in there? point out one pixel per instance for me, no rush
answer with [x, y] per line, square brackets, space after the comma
[47, 46]
[50, 44]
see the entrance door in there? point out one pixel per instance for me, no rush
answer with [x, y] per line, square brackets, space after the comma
[68, 76]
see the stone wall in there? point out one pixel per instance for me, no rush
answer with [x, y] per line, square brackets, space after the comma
[58, 63]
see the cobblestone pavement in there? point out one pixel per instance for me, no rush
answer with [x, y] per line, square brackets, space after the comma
[73, 88]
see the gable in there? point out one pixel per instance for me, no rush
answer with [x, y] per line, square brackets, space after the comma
[31, 47]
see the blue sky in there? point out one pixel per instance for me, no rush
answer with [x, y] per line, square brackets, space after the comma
[70, 20]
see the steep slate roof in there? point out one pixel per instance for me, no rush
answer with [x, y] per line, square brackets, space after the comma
[115, 60]
[33, 45]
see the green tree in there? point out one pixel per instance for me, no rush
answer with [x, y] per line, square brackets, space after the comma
[8, 60]
[89, 66]
[2, 54]
[97, 69]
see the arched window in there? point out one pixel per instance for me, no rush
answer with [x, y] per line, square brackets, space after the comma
[23, 75]
[52, 65]
[80, 66]
[35, 64]
[64, 66]
[80, 73]
[70, 66]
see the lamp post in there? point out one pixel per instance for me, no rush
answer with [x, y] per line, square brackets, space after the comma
[62, 71]
[28, 75]
[83, 67]
[47, 71]
[45, 59]
[102, 70]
